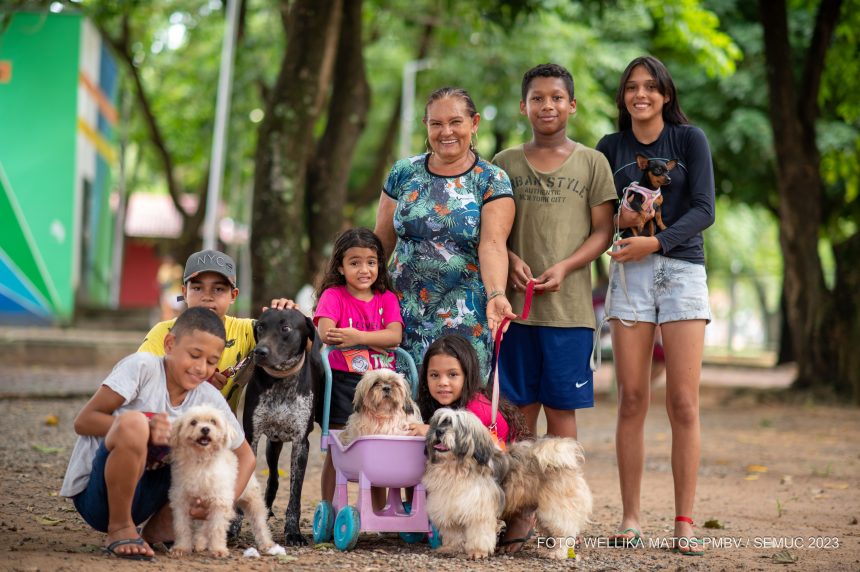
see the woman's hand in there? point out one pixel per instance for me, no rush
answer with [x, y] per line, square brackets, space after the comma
[343, 337]
[417, 429]
[498, 309]
[635, 248]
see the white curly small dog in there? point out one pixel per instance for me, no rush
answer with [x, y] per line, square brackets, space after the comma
[203, 466]
[471, 483]
[382, 405]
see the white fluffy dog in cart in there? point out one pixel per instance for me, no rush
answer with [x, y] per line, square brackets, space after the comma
[203, 466]
[471, 483]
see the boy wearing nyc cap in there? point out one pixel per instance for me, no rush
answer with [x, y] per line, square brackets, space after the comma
[209, 281]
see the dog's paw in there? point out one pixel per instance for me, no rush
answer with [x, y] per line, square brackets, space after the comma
[180, 551]
[295, 539]
[477, 554]
[220, 552]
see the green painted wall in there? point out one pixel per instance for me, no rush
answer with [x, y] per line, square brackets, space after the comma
[38, 114]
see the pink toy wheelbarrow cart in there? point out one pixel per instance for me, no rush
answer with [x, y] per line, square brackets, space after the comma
[392, 461]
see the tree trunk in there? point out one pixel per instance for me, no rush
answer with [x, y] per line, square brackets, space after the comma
[284, 144]
[329, 169]
[794, 110]
[846, 318]
[371, 188]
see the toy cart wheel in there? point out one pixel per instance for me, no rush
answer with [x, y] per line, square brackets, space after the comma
[411, 537]
[346, 528]
[323, 522]
[434, 538]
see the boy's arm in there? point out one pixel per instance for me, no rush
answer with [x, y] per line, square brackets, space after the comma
[247, 464]
[596, 244]
[96, 417]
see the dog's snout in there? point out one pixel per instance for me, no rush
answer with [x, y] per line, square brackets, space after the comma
[261, 351]
[438, 433]
[204, 430]
[386, 389]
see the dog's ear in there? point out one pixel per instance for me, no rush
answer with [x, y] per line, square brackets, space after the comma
[175, 430]
[671, 164]
[408, 406]
[312, 330]
[501, 465]
[641, 161]
[484, 450]
[229, 432]
[358, 401]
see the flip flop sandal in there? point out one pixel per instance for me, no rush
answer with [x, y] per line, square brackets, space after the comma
[110, 549]
[693, 544]
[621, 540]
[522, 541]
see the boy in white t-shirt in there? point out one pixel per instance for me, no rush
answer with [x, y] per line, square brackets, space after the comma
[118, 476]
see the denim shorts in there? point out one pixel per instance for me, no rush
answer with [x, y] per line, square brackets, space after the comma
[658, 290]
[149, 496]
[547, 365]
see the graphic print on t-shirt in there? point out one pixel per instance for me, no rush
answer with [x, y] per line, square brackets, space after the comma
[547, 189]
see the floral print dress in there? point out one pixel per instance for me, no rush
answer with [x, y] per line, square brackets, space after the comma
[434, 266]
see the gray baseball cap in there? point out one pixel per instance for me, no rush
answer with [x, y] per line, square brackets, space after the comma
[210, 261]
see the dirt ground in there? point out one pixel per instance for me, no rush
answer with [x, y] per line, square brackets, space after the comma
[774, 475]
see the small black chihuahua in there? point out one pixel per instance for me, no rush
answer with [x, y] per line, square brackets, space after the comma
[655, 174]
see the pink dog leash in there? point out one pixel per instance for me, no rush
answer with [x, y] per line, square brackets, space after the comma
[527, 306]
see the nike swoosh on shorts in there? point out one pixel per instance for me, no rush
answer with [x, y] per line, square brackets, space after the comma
[578, 385]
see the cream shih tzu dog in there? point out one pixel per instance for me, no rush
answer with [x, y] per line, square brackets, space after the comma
[470, 484]
[203, 466]
[382, 405]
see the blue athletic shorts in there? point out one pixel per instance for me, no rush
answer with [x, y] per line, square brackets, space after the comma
[149, 496]
[547, 365]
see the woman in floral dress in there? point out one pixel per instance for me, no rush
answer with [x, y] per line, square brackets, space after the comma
[446, 216]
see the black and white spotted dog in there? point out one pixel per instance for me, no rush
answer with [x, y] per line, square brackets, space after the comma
[286, 379]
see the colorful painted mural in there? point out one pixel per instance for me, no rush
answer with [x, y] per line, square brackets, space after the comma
[57, 118]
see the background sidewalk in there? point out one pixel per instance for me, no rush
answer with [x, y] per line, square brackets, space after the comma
[71, 362]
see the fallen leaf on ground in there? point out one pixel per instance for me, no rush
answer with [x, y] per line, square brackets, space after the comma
[756, 469]
[751, 478]
[713, 523]
[285, 558]
[52, 420]
[47, 449]
[50, 521]
[840, 486]
[784, 557]
[785, 480]
[323, 546]
[281, 473]
[85, 548]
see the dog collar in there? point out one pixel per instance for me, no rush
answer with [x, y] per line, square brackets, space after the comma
[648, 196]
[284, 374]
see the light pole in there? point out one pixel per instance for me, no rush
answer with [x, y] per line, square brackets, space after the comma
[407, 110]
[219, 138]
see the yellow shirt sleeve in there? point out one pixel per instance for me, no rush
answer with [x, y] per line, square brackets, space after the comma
[153, 343]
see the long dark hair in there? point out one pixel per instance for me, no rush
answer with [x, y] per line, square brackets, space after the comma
[460, 349]
[671, 109]
[355, 238]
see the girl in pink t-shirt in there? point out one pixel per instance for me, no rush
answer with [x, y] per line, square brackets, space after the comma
[451, 377]
[356, 307]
